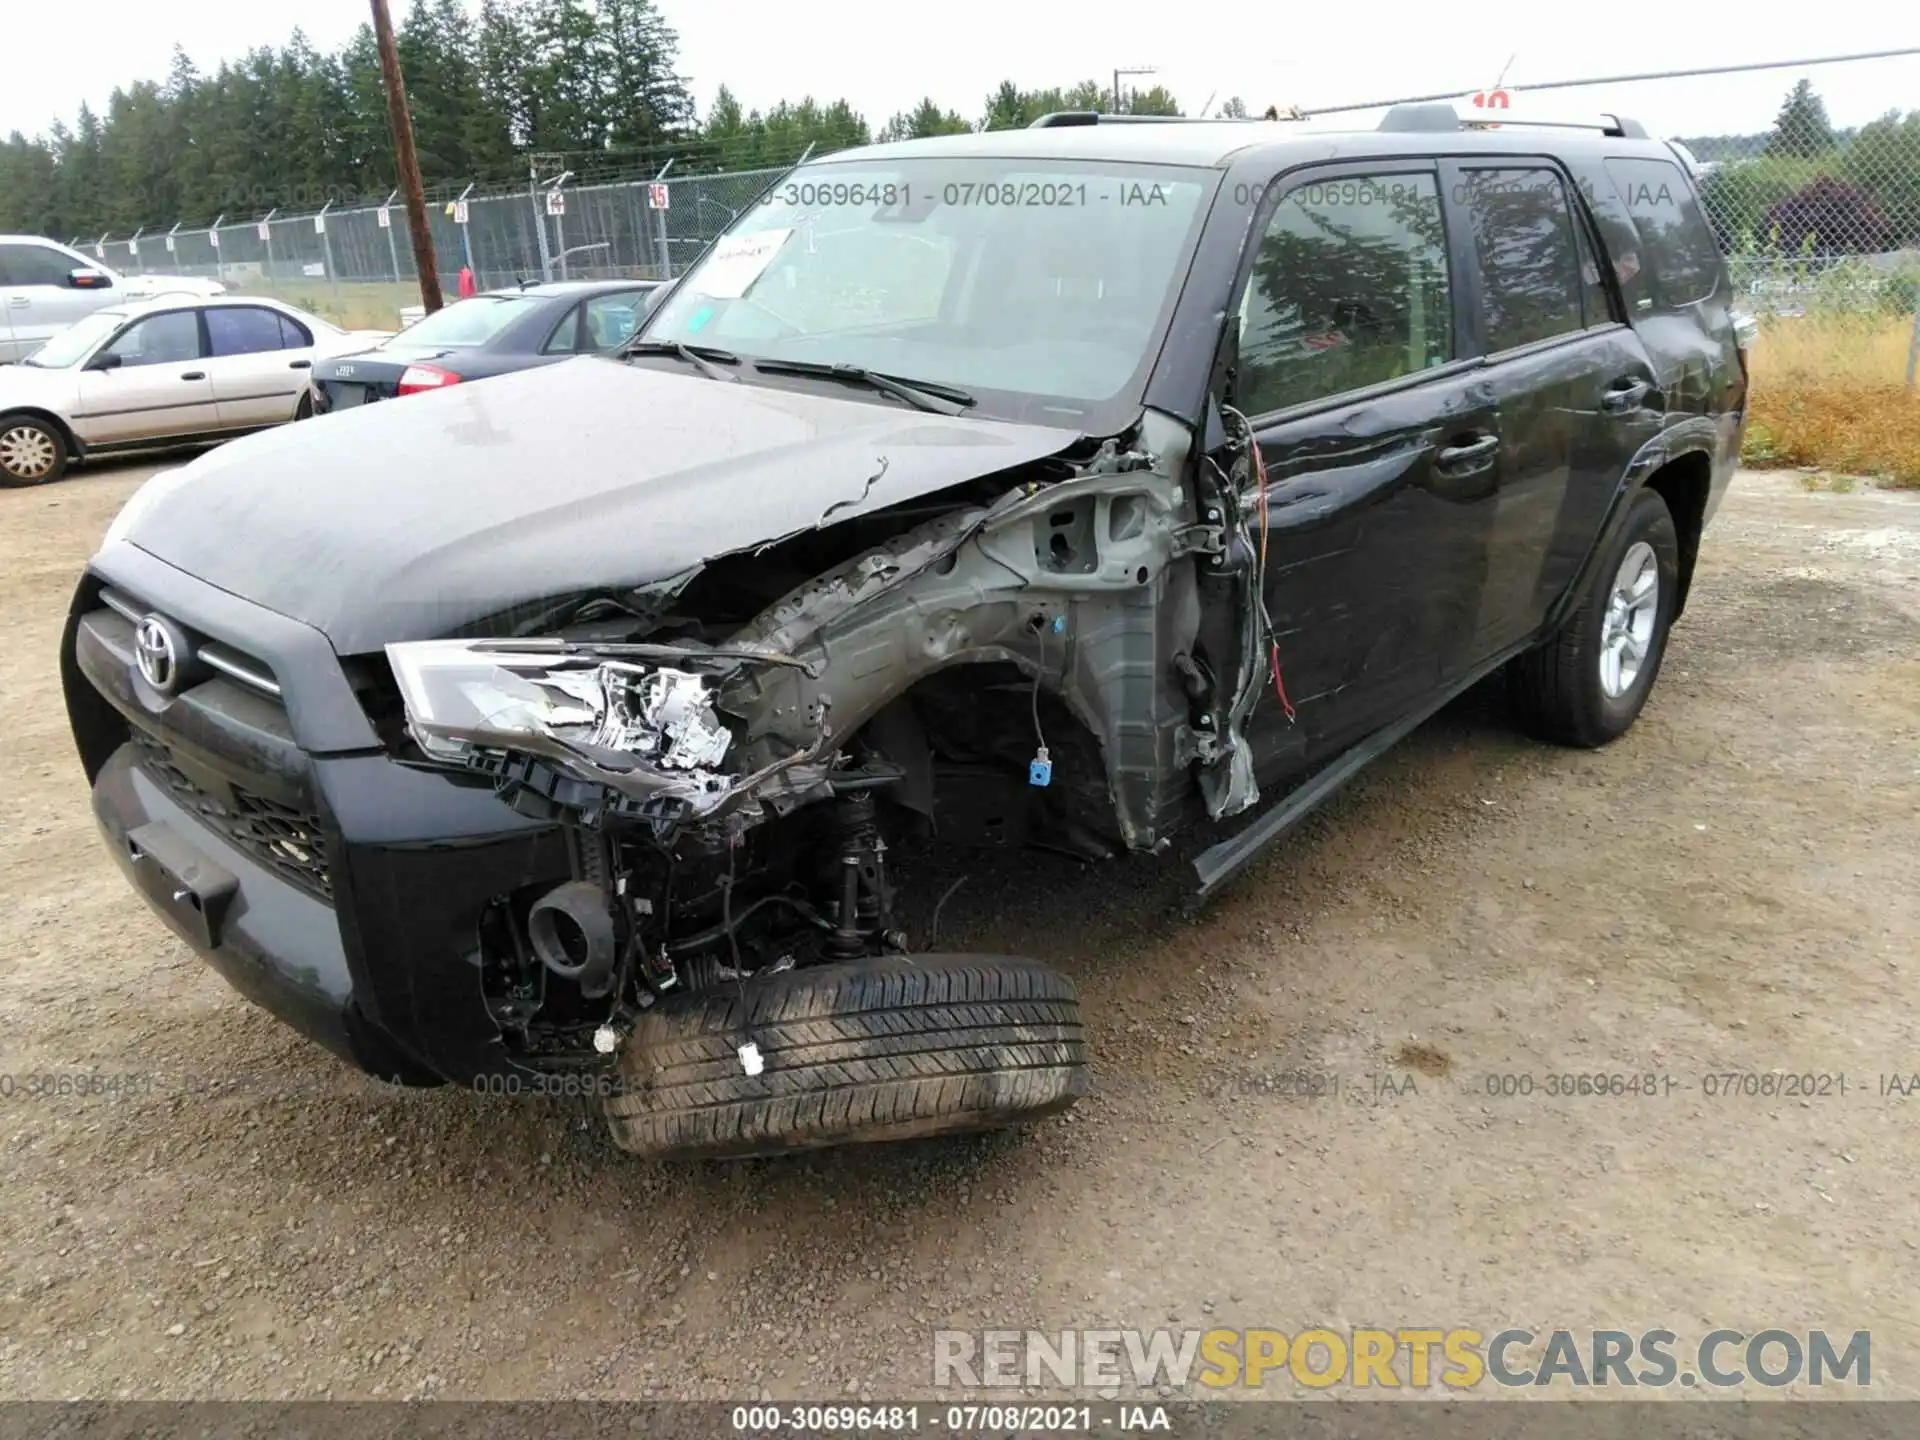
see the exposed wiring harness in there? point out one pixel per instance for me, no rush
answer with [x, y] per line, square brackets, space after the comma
[1257, 465]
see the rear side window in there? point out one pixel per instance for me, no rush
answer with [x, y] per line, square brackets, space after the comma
[243, 330]
[1530, 274]
[1679, 249]
[293, 335]
[1349, 289]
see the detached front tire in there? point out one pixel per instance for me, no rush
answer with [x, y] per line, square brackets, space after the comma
[32, 451]
[1587, 684]
[866, 1050]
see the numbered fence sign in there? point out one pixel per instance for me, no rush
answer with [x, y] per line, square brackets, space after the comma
[319, 224]
[459, 212]
[213, 238]
[386, 223]
[264, 230]
[556, 202]
[657, 197]
[99, 253]
[133, 247]
[169, 244]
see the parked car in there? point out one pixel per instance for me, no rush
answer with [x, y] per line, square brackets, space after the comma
[490, 334]
[1072, 486]
[46, 286]
[156, 374]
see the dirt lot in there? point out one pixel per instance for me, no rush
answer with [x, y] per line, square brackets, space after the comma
[1729, 889]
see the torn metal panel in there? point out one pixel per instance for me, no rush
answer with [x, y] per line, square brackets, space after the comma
[540, 482]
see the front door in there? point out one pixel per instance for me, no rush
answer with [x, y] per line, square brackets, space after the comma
[156, 387]
[1381, 450]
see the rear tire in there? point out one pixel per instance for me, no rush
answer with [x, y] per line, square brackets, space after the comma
[1587, 684]
[32, 451]
[866, 1050]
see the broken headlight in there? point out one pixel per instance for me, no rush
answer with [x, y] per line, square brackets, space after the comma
[571, 703]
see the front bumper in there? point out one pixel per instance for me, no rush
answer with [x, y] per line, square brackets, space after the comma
[337, 888]
[275, 944]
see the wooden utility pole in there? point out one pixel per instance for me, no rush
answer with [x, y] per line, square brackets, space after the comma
[406, 163]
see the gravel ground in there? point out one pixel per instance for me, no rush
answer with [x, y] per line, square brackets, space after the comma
[1729, 889]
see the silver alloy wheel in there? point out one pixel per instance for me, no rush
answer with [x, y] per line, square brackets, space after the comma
[1633, 605]
[27, 452]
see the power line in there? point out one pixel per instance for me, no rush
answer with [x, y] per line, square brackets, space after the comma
[1623, 79]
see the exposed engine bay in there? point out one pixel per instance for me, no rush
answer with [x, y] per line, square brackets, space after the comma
[1021, 660]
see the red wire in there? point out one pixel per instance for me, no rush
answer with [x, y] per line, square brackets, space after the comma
[1273, 651]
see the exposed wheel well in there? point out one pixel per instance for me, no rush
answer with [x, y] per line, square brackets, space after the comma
[966, 736]
[1684, 483]
[74, 448]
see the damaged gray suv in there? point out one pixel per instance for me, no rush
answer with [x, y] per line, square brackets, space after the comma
[1074, 485]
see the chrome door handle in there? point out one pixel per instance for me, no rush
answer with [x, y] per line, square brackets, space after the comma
[1626, 395]
[1454, 456]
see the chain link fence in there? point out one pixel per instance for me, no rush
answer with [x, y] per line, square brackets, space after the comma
[356, 265]
[1820, 226]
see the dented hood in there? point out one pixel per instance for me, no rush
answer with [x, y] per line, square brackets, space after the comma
[409, 518]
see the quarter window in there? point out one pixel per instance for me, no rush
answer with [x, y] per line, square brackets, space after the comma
[1349, 289]
[1679, 248]
[1530, 275]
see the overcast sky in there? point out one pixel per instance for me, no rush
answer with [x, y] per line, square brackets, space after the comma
[882, 55]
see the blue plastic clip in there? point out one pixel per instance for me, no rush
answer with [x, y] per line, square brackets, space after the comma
[1040, 769]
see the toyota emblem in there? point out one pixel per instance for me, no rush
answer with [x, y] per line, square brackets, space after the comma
[157, 653]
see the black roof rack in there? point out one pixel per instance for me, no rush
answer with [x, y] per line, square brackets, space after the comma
[1058, 118]
[1445, 117]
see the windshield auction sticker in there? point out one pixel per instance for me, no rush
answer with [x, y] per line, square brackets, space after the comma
[737, 261]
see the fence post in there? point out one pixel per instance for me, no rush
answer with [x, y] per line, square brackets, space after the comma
[393, 250]
[660, 226]
[539, 220]
[1913, 349]
[460, 215]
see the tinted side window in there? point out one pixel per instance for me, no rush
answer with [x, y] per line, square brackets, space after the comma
[1595, 302]
[242, 330]
[612, 319]
[1680, 249]
[1530, 279]
[293, 335]
[35, 265]
[1349, 288]
[160, 340]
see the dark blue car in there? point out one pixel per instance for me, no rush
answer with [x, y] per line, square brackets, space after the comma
[488, 334]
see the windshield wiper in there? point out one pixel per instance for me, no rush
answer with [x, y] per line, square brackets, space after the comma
[921, 394]
[701, 357]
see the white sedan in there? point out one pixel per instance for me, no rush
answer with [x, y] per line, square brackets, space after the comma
[176, 370]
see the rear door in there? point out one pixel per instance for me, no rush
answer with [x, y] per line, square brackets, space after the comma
[1380, 447]
[158, 390]
[1574, 392]
[258, 361]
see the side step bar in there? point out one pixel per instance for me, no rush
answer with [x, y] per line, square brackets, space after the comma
[1219, 864]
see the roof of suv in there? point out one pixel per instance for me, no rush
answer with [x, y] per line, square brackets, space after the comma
[1217, 143]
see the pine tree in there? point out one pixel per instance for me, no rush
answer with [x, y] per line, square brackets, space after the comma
[1802, 127]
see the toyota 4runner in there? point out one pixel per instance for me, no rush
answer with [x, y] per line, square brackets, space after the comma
[1070, 485]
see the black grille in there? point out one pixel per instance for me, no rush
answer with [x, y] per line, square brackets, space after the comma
[288, 840]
